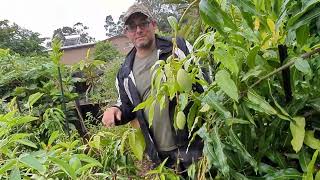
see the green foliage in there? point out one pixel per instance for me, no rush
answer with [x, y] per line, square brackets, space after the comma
[23, 154]
[105, 51]
[106, 90]
[79, 30]
[249, 126]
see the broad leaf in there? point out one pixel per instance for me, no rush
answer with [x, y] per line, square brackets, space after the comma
[251, 58]
[32, 162]
[303, 66]
[304, 159]
[311, 141]
[33, 98]
[212, 14]
[15, 174]
[298, 132]
[226, 84]
[137, 143]
[173, 23]
[260, 102]
[223, 54]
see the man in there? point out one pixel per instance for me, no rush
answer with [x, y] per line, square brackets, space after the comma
[134, 83]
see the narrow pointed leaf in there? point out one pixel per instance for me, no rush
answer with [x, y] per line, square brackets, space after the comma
[64, 166]
[242, 150]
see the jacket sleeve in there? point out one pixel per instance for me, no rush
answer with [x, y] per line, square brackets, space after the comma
[123, 103]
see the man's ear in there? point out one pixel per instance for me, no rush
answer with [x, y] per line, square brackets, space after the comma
[154, 23]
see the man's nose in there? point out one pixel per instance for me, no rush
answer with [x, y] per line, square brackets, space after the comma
[139, 29]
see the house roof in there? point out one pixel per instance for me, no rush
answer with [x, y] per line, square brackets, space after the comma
[88, 44]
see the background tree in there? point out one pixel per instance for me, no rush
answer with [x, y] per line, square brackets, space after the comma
[73, 35]
[113, 28]
[19, 40]
[105, 51]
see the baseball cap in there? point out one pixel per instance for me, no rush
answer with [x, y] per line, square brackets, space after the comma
[136, 8]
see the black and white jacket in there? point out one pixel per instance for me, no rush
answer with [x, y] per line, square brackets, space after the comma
[129, 97]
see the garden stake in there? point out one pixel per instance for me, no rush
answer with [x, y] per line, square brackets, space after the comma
[63, 103]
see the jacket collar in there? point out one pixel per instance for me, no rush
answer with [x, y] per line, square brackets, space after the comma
[163, 44]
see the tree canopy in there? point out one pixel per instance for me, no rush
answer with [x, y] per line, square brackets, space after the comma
[19, 40]
[77, 34]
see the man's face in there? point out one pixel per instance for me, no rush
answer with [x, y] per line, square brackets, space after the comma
[140, 30]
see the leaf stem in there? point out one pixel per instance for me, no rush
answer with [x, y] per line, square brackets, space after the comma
[185, 12]
[287, 65]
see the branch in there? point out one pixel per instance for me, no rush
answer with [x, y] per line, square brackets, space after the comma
[185, 12]
[290, 63]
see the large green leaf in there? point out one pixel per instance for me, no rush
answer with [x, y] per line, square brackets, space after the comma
[226, 84]
[218, 148]
[251, 58]
[208, 150]
[310, 168]
[88, 159]
[15, 174]
[304, 159]
[261, 102]
[64, 166]
[33, 98]
[212, 100]
[212, 14]
[173, 23]
[246, 6]
[27, 143]
[302, 34]
[311, 141]
[224, 55]
[53, 137]
[298, 132]
[7, 166]
[32, 162]
[137, 143]
[21, 120]
[307, 14]
[303, 66]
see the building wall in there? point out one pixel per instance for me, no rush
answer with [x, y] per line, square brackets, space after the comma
[122, 43]
[74, 54]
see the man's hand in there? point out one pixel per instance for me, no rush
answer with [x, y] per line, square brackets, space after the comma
[111, 115]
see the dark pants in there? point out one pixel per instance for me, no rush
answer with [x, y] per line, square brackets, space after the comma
[185, 158]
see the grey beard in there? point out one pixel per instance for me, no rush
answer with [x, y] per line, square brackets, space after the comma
[146, 45]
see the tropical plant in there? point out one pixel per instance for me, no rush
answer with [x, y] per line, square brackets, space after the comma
[258, 116]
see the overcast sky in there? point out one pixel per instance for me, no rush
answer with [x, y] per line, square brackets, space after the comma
[44, 16]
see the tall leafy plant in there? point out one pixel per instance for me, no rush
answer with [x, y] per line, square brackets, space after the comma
[258, 116]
